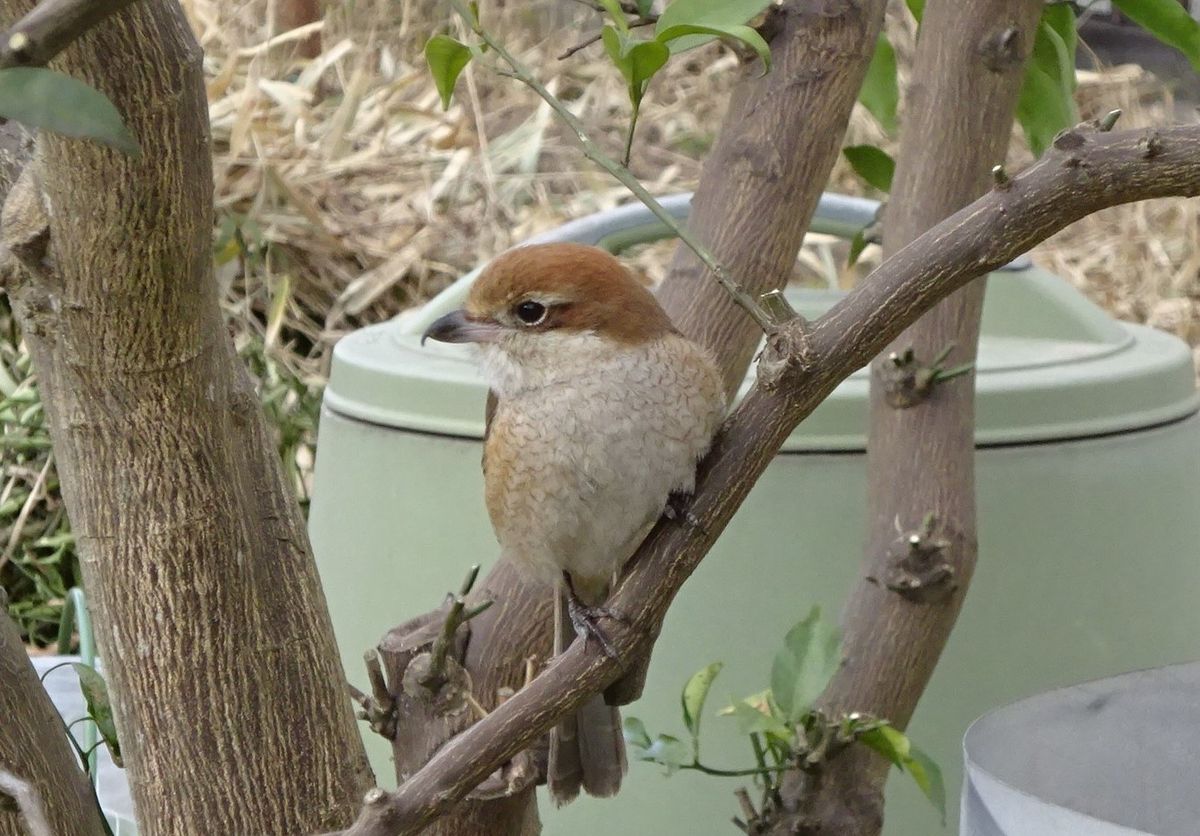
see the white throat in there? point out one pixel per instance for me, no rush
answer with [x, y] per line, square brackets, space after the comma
[521, 363]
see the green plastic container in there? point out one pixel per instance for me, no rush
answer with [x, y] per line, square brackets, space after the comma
[1089, 493]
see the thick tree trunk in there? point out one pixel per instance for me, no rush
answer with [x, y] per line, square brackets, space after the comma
[754, 203]
[34, 747]
[966, 77]
[227, 686]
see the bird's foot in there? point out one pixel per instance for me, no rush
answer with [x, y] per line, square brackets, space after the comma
[679, 508]
[585, 620]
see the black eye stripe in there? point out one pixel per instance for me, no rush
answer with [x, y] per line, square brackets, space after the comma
[530, 312]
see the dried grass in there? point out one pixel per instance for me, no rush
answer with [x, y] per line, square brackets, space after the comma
[363, 197]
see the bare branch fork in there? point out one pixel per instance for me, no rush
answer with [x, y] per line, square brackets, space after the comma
[1086, 171]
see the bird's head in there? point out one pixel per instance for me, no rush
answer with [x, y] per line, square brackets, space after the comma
[533, 298]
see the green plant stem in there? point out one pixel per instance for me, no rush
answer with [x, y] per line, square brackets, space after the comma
[594, 153]
[734, 773]
[24, 445]
[633, 117]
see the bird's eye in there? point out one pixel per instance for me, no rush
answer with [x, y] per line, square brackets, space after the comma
[530, 312]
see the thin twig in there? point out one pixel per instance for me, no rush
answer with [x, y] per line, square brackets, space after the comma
[50, 27]
[736, 773]
[457, 616]
[379, 709]
[594, 153]
[633, 24]
[747, 806]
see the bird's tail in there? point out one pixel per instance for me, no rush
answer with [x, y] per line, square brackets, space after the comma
[587, 749]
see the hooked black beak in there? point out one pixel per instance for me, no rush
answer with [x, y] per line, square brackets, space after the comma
[456, 327]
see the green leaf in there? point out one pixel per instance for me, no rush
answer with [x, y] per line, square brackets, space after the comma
[857, 244]
[752, 720]
[1168, 21]
[711, 13]
[677, 34]
[95, 694]
[638, 60]
[446, 58]
[880, 93]
[614, 46]
[872, 164]
[669, 751]
[1061, 18]
[917, 7]
[888, 741]
[635, 733]
[645, 59]
[645, 7]
[894, 745]
[810, 656]
[617, 14]
[51, 101]
[1046, 105]
[695, 692]
[928, 776]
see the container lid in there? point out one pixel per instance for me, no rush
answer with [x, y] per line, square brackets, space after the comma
[1113, 757]
[1052, 365]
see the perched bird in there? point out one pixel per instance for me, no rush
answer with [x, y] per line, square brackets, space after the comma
[602, 410]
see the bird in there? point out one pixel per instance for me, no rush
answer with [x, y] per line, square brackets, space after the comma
[602, 410]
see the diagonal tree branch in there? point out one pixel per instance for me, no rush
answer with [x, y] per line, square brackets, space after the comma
[752, 207]
[50, 27]
[802, 363]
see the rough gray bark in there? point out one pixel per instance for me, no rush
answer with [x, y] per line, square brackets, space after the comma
[966, 77]
[766, 172]
[227, 686]
[34, 747]
[802, 363]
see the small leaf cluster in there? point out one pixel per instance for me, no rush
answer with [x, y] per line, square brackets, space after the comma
[785, 728]
[1046, 104]
[683, 25]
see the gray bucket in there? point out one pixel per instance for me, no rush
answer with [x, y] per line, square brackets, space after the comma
[1113, 757]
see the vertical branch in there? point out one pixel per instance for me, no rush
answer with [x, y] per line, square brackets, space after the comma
[209, 611]
[967, 75]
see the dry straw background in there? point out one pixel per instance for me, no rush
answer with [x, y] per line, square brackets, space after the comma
[370, 198]
[345, 194]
